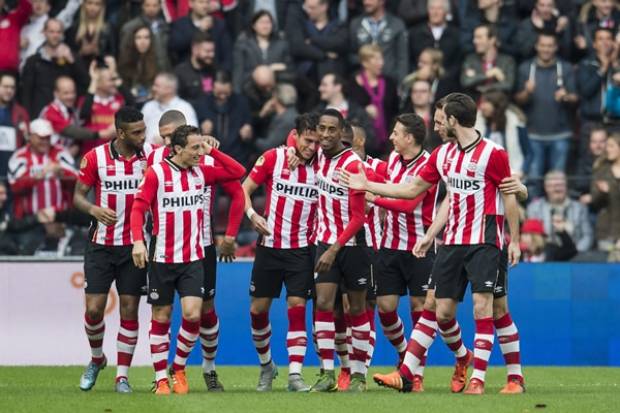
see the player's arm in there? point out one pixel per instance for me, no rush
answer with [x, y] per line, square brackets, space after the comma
[258, 176]
[359, 181]
[398, 205]
[511, 208]
[235, 215]
[87, 178]
[141, 204]
[441, 218]
[357, 205]
[228, 169]
[513, 185]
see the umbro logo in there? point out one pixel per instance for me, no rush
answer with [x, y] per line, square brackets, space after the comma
[489, 284]
[362, 281]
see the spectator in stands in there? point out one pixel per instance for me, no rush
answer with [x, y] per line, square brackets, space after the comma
[496, 13]
[556, 209]
[196, 74]
[98, 107]
[260, 45]
[160, 31]
[137, 65]
[376, 93]
[437, 33]
[546, 92]
[92, 36]
[225, 115]
[31, 36]
[183, 29]
[487, 68]
[430, 68]
[536, 248]
[420, 102]
[41, 175]
[277, 8]
[593, 76]
[544, 18]
[595, 14]
[332, 95]
[63, 115]
[414, 12]
[282, 104]
[53, 59]
[258, 93]
[605, 193]
[14, 121]
[165, 97]
[11, 23]
[504, 125]
[318, 45]
[597, 142]
[378, 26]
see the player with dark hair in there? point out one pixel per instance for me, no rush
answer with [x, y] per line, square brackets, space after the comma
[283, 253]
[173, 190]
[473, 168]
[114, 170]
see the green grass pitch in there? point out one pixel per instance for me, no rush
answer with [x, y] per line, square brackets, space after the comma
[55, 389]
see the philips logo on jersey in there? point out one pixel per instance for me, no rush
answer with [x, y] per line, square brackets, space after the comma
[465, 185]
[333, 190]
[297, 190]
[182, 201]
[121, 185]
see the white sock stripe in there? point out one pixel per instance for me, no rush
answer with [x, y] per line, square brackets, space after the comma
[482, 354]
[209, 331]
[95, 336]
[450, 330]
[209, 343]
[362, 327]
[95, 326]
[261, 343]
[184, 347]
[507, 331]
[295, 334]
[97, 352]
[324, 326]
[125, 348]
[296, 351]
[429, 323]
[397, 324]
[514, 369]
[294, 367]
[128, 333]
[262, 331]
[478, 374]
[159, 356]
[450, 340]
[512, 347]
[424, 340]
[486, 337]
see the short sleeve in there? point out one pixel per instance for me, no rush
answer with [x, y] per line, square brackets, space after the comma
[498, 167]
[429, 171]
[263, 168]
[148, 186]
[89, 173]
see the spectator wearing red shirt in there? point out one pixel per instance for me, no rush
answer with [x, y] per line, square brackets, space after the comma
[11, 23]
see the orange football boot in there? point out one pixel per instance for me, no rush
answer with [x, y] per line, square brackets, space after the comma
[392, 380]
[344, 379]
[475, 387]
[162, 388]
[459, 378]
[513, 387]
[179, 382]
[417, 384]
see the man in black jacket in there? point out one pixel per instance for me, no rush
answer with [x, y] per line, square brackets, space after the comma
[196, 74]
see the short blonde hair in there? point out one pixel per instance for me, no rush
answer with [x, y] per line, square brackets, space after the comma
[368, 51]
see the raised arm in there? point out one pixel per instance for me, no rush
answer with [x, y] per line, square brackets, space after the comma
[359, 181]
[228, 169]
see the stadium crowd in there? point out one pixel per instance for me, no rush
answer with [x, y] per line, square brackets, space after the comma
[545, 75]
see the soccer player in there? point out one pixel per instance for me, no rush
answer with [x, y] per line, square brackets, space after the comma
[209, 322]
[341, 254]
[398, 271]
[473, 168]
[283, 253]
[114, 170]
[173, 190]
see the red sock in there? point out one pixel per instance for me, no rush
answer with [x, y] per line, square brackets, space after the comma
[325, 335]
[394, 330]
[421, 339]
[261, 335]
[340, 343]
[483, 345]
[360, 334]
[451, 335]
[126, 341]
[187, 337]
[415, 318]
[159, 339]
[509, 343]
[95, 330]
[209, 337]
[296, 339]
[370, 313]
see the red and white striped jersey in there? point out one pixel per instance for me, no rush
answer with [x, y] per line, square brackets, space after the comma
[159, 155]
[472, 176]
[373, 227]
[32, 194]
[334, 211]
[116, 182]
[292, 199]
[404, 229]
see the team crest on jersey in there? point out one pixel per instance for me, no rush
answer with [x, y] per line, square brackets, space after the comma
[286, 172]
[472, 166]
[260, 161]
[336, 176]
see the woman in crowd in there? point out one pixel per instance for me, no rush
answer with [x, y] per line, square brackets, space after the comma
[375, 92]
[92, 36]
[535, 246]
[138, 64]
[261, 45]
[605, 191]
[504, 124]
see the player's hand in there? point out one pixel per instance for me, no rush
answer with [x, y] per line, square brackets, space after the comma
[104, 215]
[354, 180]
[514, 253]
[370, 197]
[510, 185]
[212, 141]
[138, 254]
[422, 246]
[260, 225]
[292, 159]
[206, 147]
[227, 249]
[326, 261]
[46, 215]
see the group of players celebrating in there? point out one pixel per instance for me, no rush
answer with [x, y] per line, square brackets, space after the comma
[347, 231]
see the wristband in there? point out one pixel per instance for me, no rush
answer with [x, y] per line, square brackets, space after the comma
[250, 213]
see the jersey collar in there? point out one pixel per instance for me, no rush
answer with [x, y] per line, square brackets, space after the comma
[472, 145]
[406, 163]
[117, 156]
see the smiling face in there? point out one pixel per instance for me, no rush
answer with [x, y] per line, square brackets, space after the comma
[612, 149]
[189, 155]
[329, 134]
[307, 143]
[400, 138]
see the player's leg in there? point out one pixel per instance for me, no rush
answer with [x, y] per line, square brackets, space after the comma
[371, 306]
[391, 286]
[190, 286]
[507, 333]
[98, 277]
[296, 338]
[342, 338]
[209, 322]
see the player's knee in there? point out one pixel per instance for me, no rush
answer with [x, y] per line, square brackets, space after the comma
[94, 312]
[499, 309]
[482, 310]
[129, 310]
[208, 305]
[444, 316]
[191, 316]
[323, 304]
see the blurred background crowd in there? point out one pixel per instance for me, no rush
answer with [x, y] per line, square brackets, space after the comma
[545, 73]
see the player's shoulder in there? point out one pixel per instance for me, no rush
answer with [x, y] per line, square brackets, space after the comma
[269, 157]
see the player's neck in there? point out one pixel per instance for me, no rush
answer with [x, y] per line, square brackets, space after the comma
[123, 149]
[177, 161]
[466, 136]
[411, 152]
[335, 151]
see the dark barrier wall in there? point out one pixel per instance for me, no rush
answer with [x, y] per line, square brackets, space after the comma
[567, 314]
